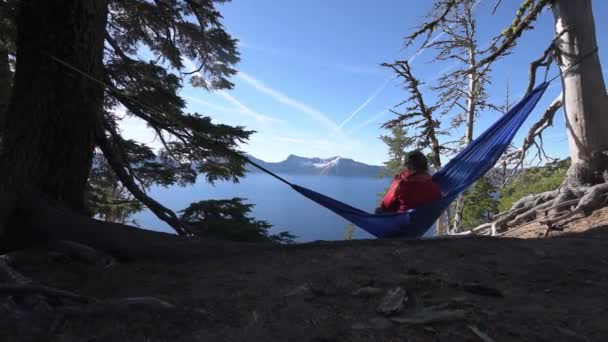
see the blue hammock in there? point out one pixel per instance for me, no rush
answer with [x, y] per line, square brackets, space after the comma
[453, 179]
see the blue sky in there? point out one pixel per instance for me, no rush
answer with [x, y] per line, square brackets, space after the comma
[310, 82]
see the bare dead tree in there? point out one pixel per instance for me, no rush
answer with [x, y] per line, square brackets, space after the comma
[461, 92]
[423, 120]
[584, 100]
[418, 116]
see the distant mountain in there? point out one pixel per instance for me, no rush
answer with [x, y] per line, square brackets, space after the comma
[335, 166]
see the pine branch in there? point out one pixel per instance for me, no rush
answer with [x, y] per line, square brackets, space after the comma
[444, 6]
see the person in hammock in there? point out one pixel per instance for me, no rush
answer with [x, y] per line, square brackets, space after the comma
[412, 188]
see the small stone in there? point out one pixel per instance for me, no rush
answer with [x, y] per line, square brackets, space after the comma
[367, 291]
[393, 302]
[380, 323]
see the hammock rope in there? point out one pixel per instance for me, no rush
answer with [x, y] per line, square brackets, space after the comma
[453, 179]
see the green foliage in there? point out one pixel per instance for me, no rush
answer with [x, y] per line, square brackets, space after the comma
[480, 203]
[533, 181]
[188, 43]
[229, 220]
[106, 198]
[397, 143]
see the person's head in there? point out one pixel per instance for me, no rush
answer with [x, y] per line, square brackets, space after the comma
[415, 161]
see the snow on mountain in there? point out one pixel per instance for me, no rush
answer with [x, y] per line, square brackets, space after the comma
[335, 166]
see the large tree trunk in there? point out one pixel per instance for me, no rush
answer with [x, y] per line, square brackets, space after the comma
[585, 98]
[6, 81]
[49, 131]
[40, 219]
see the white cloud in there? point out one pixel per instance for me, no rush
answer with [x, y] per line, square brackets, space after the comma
[282, 98]
[210, 105]
[353, 69]
[367, 101]
[241, 108]
[379, 90]
[371, 120]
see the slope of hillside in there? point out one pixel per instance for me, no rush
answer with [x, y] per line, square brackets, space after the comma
[463, 289]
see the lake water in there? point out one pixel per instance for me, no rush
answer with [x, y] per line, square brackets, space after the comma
[278, 204]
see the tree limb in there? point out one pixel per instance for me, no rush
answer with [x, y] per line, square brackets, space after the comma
[429, 27]
[118, 167]
[544, 60]
[537, 129]
[513, 34]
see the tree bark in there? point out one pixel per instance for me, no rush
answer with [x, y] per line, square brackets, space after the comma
[49, 131]
[585, 99]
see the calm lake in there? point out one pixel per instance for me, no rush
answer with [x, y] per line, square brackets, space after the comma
[278, 204]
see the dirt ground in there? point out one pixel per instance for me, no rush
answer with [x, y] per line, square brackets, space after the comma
[465, 289]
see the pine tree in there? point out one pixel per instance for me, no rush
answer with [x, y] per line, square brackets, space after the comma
[481, 203]
[106, 198]
[398, 143]
[229, 219]
[77, 63]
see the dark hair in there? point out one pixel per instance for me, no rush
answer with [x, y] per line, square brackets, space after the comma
[416, 161]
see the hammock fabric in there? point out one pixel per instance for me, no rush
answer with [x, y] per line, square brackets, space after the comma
[453, 179]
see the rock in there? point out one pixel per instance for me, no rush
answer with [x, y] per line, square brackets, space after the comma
[302, 290]
[431, 316]
[360, 326]
[376, 323]
[367, 291]
[483, 290]
[380, 323]
[393, 302]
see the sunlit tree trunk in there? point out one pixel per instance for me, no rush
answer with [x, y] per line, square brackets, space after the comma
[585, 99]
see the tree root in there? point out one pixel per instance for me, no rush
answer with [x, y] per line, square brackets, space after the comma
[12, 279]
[23, 295]
[35, 218]
[83, 253]
[550, 208]
[46, 291]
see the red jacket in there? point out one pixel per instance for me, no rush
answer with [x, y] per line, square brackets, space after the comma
[409, 191]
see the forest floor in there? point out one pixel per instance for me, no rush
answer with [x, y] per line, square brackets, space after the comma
[463, 289]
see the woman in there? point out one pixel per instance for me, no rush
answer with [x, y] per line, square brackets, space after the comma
[412, 188]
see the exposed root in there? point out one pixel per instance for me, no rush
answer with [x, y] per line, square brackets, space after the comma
[550, 208]
[83, 253]
[11, 279]
[46, 291]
